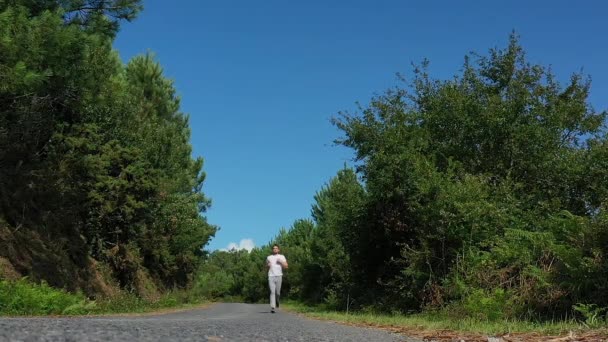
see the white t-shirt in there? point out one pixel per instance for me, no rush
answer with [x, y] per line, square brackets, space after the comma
[275, 269]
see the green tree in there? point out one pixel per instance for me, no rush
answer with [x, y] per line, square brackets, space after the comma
[336, 239]
[95, 158]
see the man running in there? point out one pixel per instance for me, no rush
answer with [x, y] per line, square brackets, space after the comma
[276, 263]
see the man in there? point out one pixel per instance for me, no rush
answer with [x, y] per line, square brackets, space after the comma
[275, 263]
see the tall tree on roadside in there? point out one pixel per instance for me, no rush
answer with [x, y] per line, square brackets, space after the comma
[95, 159]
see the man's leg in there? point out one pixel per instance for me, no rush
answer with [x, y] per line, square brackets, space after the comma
[272, 286]
[279, 282]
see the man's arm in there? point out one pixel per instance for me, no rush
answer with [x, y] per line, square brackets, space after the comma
[284, 263]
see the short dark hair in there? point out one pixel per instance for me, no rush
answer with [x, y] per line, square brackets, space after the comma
[275, 245]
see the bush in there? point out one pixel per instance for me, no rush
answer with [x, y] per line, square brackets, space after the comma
[487, 305]
[213, 285]
[25, 298]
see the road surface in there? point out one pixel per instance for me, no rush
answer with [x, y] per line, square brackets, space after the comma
[219, 322]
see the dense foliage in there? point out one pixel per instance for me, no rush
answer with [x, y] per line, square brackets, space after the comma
[98, 189]
[484, 195]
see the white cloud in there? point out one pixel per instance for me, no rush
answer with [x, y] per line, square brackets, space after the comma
[246, 244]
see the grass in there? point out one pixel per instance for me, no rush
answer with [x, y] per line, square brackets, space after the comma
[24, 298]
[129, 303]
[435, 324]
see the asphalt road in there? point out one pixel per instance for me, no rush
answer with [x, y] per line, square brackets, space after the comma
[220, 322]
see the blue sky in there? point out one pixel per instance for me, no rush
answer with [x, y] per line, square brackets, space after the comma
[261, 79]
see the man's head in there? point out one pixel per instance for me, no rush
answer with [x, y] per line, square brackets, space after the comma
[275, 249]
